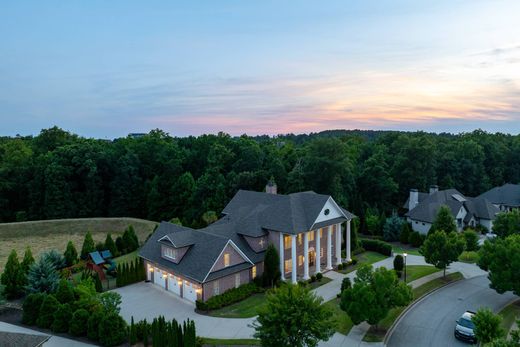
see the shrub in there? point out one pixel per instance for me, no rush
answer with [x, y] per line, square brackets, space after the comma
[340, 267]
[112, 330]
[398, 273]
[56, 259]
[345, 284]
[88, 245]
[398, 263]
[377, 246]
[392, 228]
[31, 308]
[228, 297]
[78, 323]
[42, 277]
[406, 230]
[47, 310]
[12, 277]
[65, 292]
[111, 245]
[469, 257]
[354, 261]
[93, 325]
[62, 317]
[313, 278]
[358, 250]
[319, 276]
[471, 240]
[70, 254]
[416, 239]
[97, 283]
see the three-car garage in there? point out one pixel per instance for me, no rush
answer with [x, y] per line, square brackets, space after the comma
[173, 283]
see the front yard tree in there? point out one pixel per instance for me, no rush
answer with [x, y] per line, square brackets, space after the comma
[293, 317]
[441, 249]
[373, 294]
[88, 245]
[70, 254]
[501, 258]
[392, 228]
[443, 221]
[507, 223]
[12, 278]
[271, 266]
[488, 326]
[42, 277]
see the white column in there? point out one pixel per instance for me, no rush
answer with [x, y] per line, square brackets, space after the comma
[347, 243]
[306, 255]
[338, 244]
[329, 247]
[294, 262]
[318, 250]
[282, 262]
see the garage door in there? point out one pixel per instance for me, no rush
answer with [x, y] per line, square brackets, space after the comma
[190, 293]
[173, 284]
[158, 278]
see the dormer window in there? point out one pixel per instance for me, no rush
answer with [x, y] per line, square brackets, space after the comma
[170, 253]
[226, 259]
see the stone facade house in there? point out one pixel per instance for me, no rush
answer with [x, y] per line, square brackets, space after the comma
[197, 264]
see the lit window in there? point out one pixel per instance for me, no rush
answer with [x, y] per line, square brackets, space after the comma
[311, 235]
[253, 272]
[216, 288]
[287, 241]
[237, 280]
[300, 238]
[321, 233]
[170, 253]
[300, 260]
[226, 259]
[288, 265]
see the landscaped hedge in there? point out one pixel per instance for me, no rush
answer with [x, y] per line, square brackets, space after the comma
[229, 297]
[377, 246]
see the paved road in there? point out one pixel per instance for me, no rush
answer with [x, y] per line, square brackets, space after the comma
[431, 321]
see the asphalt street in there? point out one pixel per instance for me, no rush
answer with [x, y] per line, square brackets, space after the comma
[431, 322]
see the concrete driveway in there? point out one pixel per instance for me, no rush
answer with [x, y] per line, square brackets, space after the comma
[145, 300]
[432, 320]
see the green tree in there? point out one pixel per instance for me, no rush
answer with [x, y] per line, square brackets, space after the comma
[130, 239]
[507, 223]
[392, 228]
[42, 277]
[27, 261]
[78, 323]
[398, 263]
[93, 324]
[293, 316]
[271, 273]
[97, 283]
[31, 308]
[443, 221]
[488, 326]
[70, 254]
[405, 233]
[110, 245]
[13, 277]
[65, 292]
[111, 302]
[62, 317]
[471, 239]
[112, 330]
[441, 249]
[47, 310]
[209, 217]
[499, 258]
[373, 294]
[88, 245]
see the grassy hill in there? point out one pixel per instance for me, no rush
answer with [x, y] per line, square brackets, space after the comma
[54, 234]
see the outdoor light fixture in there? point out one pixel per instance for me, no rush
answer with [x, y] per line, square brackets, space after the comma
[405, 254]
[151, 269]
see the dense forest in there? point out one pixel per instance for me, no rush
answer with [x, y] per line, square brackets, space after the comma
[159, 177]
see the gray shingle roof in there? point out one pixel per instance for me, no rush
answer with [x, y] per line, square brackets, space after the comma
[248, 213]
[508, 194]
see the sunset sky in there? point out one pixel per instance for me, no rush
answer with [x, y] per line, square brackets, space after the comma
[107, 68]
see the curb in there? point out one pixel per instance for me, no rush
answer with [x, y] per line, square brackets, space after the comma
[409, 307]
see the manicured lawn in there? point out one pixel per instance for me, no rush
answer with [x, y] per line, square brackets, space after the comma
[127, 258]
[343, 322]
[397, 249]
[414, 272]
[469, 257]
[510, 314]
[230, 342]
[384, 325]
[364, 258]
[249, 307]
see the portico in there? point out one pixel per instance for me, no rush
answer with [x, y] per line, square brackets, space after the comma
[313, 251]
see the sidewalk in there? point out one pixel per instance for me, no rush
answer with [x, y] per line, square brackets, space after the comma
[53, 341]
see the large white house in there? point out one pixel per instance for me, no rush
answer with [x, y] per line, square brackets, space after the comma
[423, 208]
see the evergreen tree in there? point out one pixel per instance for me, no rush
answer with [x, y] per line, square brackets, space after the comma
[62, 317]
[392, 228]
[47, 310]
[111, 245]
[271, 274]
[132, 338]
[79, 322]
[88, 246]
[70, 254]
[120, 244]
[406, 230]
[113, 330]
[444, 221]
[93, 324]
[31, 308]
[118, 276]
[65, 292]
[13, 277]
[27, 261]
[42, 277]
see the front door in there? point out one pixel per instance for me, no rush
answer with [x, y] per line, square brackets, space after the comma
[312, 257]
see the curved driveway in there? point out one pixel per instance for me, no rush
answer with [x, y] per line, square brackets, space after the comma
[432, 320]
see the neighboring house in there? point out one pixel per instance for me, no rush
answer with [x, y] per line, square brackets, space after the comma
[467, 212]
[506, 197]
[198, 264]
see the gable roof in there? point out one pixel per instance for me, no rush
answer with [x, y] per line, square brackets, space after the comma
[508, 194]
[422, 196]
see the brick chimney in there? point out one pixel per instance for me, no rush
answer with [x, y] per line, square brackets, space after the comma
[270, 187]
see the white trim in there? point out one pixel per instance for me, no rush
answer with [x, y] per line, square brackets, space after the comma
[335, 205]
[222, 251]
[166, 237]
